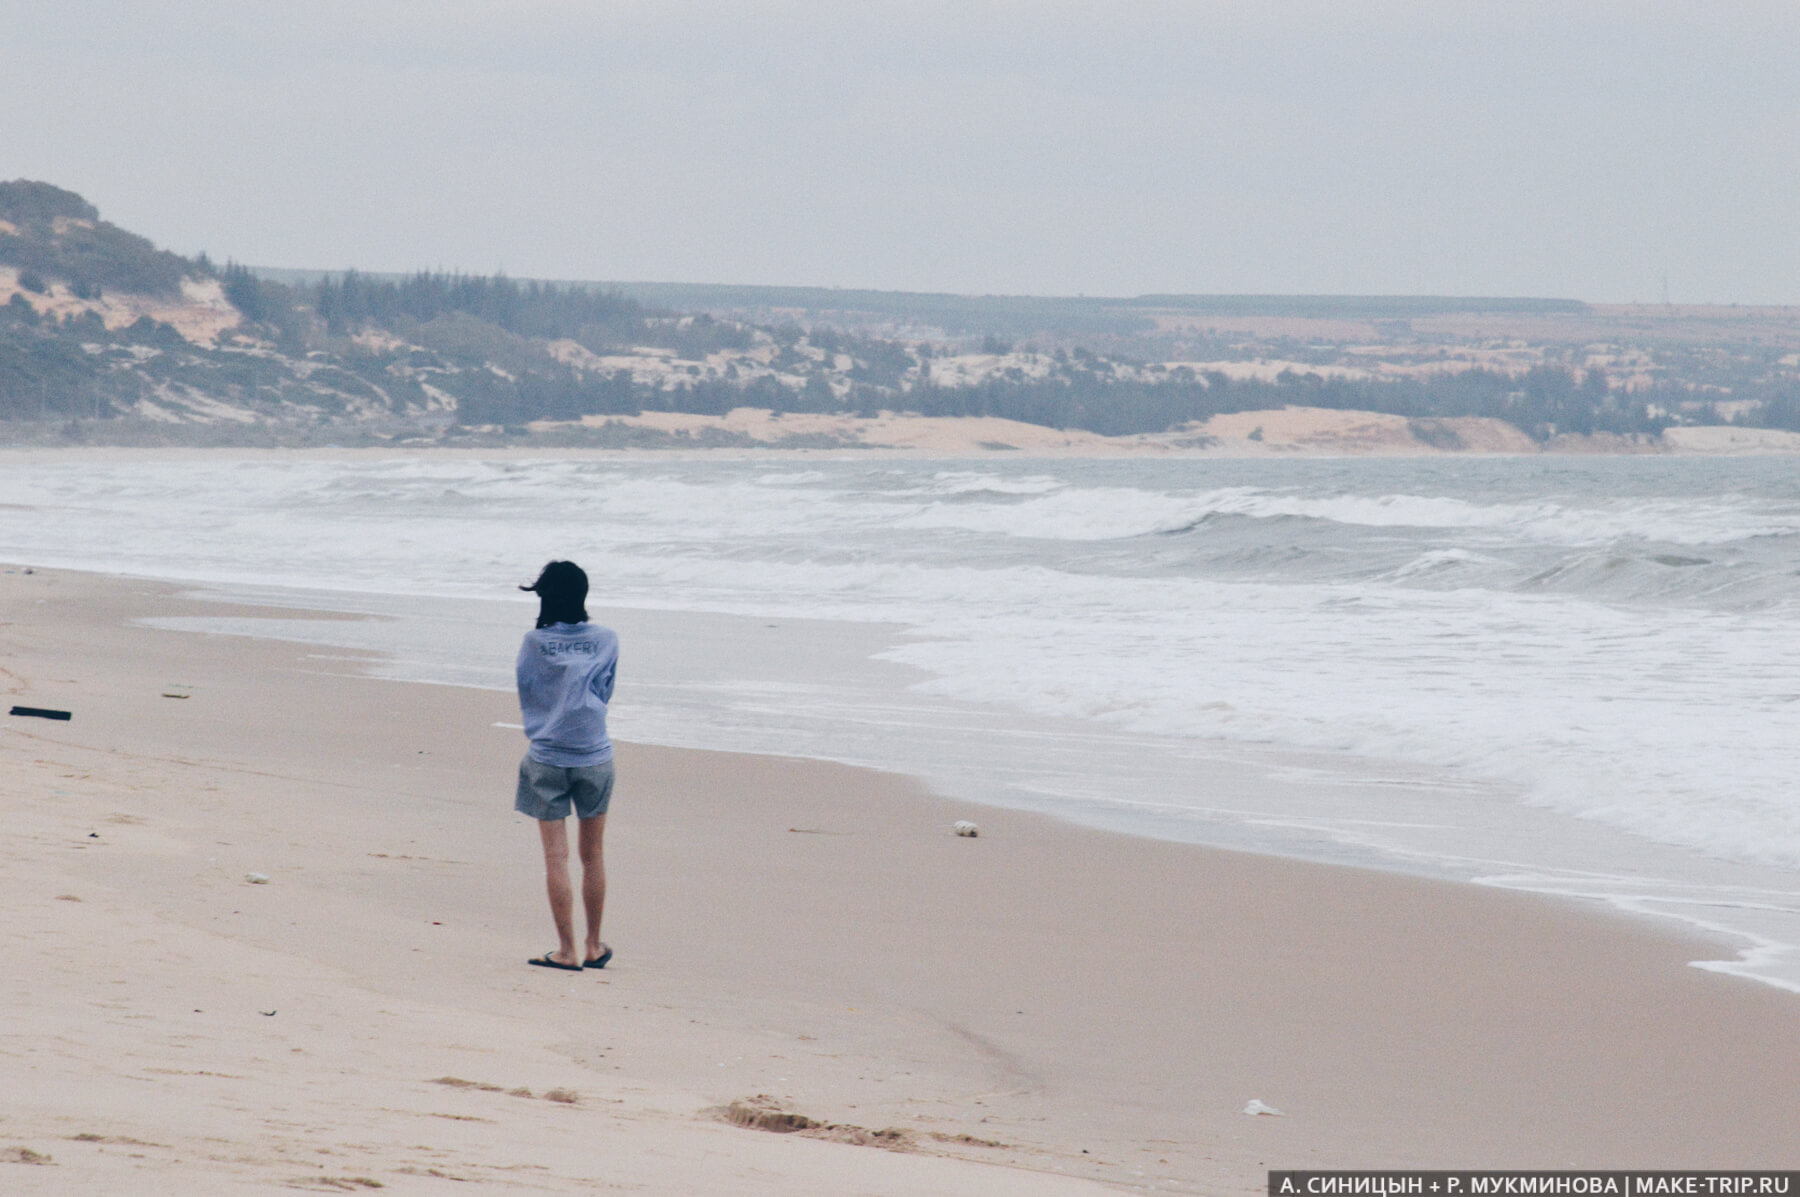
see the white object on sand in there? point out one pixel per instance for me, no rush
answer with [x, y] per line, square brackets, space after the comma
[1256, 1106]
[257, 878]
[964, 827]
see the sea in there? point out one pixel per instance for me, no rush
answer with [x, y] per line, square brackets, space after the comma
[1578, 676]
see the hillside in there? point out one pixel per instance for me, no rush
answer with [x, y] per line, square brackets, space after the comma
[105, 338]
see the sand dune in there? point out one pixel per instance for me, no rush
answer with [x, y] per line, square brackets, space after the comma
[199, 314]
[1283, 432]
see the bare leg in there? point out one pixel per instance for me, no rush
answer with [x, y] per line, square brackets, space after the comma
[593, 881]
[556, 879]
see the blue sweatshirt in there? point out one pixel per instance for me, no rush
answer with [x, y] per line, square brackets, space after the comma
[565, 676]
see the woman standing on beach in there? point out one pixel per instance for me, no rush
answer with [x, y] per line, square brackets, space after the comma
[565, 672]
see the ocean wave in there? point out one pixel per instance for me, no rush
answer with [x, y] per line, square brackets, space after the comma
[958, 482]
[1439, 561]
[1669, 522]
[1623, 657]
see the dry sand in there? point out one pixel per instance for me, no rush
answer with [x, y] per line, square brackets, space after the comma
[1730, 440]
[1287, 431]
[200, 313]
[1098, 1008]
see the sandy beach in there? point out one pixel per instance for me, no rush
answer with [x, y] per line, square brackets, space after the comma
[1043, 1009]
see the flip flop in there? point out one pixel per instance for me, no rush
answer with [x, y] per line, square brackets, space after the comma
[600, 960]
[544, 961]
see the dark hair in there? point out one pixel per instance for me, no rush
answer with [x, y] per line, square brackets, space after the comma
[562, 594]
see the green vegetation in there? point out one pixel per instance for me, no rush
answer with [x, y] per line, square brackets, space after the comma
[1017, 316]
[337, 357]
[596, 320]
[61, 238]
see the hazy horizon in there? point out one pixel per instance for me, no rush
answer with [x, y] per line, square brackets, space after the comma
[1585, 152]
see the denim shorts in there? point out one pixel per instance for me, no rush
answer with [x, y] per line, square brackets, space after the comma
[549, 791]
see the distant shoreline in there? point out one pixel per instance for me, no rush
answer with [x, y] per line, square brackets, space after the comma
[105, 339]
[1279, 433]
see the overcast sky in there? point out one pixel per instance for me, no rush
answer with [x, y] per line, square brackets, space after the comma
[1572, 149]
